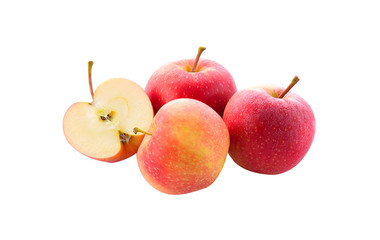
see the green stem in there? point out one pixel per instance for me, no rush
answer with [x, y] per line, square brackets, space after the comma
[136, 130]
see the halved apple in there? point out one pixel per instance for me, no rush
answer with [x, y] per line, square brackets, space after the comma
[103, 129]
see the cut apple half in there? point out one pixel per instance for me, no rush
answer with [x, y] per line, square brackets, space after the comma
[103, 129]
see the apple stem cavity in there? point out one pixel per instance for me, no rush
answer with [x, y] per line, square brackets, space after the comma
[124, 138]
[90, 63]
[136, 130]
[200, 50]
[294, 82]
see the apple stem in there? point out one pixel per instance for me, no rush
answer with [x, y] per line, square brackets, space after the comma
[136, 130]
[294, 82]
[90, 63]
[200, 50]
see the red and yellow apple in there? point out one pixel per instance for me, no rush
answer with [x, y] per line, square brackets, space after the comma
[271, 129]
[103, 129]
[185, 148]
[200, 79]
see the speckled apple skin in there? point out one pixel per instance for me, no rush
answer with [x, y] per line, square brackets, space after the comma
[211, 84]
[187, 149]
[268, 135]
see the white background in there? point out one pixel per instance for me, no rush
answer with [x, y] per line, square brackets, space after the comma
[50, 191]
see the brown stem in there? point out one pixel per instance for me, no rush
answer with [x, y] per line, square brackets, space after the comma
[294, 82]
[200, 50]
[136, 130]
[90, 63]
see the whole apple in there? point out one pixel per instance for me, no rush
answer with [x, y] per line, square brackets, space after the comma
[103, 129]
[185, 148]
[271, 129]
[200, 79]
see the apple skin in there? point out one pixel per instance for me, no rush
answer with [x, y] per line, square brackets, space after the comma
[268, 134]
[211, 84]
[187, 148]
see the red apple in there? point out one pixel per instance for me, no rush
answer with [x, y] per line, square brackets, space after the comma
[271, 129]
[185, 147]
[103, 129]
[200, 79]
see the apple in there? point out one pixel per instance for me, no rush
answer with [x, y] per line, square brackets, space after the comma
[185, 147]
[103, 129]
[271, 129]
[200, 79]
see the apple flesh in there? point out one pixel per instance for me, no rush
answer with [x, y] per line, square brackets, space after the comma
[269, 134]
[187, 147]
[200, 79]
[103, 129]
